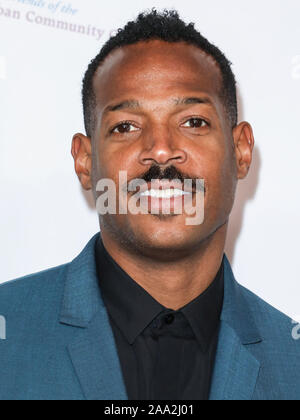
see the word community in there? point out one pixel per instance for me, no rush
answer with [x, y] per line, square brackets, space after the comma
[32, 17]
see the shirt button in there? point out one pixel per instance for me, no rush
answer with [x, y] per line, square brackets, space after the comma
[169, 319]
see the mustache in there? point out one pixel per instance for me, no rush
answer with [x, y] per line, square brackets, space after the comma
[171, 173]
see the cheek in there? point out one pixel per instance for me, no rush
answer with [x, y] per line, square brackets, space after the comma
[226, 185]
[107, 161]
[220, 178]
[113, 160]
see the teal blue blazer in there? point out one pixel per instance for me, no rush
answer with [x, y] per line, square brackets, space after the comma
[59, 344]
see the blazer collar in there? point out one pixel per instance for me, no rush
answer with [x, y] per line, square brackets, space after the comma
[82, 296]
[236, 311]
[236, 368]
[92, 350]
[94, 354]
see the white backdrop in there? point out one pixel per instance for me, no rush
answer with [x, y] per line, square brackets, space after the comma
[46, 218]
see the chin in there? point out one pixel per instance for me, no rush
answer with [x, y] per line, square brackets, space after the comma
[160, 239]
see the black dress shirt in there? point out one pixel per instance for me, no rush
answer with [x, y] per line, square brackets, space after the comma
[164, 354]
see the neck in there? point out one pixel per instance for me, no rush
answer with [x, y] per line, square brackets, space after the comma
[181, 281]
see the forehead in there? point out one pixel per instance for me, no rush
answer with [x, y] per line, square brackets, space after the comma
[156, 69]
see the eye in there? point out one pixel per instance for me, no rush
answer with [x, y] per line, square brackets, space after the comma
[124, 127]
[195, 123]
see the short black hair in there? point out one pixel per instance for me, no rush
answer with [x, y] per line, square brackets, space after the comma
[166, 26]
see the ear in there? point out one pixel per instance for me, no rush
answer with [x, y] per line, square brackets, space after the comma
[82, 155]
[244, 144]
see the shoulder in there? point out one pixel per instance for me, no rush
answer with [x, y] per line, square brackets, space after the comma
[264, 313]
[279, 332]
[31, 291]
[278, 352]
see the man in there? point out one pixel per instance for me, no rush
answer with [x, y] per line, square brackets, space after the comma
[150, 309]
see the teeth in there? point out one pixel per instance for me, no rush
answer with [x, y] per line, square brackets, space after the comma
[164, 193]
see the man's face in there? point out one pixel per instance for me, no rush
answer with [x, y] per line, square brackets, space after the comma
[162, 127]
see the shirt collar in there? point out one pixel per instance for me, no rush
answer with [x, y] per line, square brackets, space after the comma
[132, 308]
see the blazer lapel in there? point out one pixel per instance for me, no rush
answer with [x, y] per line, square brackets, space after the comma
[96, 361]
[236, 369]
[93, 351]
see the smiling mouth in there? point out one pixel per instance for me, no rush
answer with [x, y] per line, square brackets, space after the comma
[167, 197]
[165, 189]
[165, 201]
[165, 194]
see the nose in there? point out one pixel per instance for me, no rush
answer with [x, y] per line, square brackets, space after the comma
[160, 147]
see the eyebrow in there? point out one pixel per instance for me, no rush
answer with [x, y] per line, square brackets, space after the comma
[133, 104]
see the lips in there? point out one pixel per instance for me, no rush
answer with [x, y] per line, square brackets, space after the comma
[164, 194]
[166, 205]
[164, 185]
